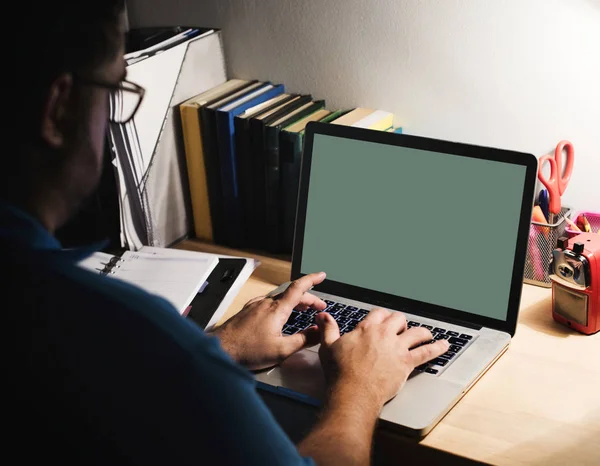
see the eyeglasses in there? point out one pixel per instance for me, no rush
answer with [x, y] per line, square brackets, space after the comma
[124, 100]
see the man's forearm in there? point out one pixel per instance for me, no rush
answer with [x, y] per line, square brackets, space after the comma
[344, 435]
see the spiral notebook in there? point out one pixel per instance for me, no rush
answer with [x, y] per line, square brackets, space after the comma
[173, 274]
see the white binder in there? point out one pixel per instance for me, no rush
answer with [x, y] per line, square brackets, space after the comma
[149, 155]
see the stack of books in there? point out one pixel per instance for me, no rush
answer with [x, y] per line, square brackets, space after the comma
[243, 143]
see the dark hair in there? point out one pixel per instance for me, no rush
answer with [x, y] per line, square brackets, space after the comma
[61, 36]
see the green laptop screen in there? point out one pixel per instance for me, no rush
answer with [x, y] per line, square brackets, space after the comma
[428, 226]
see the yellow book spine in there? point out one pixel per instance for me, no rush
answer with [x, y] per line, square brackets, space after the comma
[194, 154]
[383, 124]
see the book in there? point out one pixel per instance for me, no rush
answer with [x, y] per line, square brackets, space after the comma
[334, 116]
[194, 153]
[179, 276]
[243, 157]
[353, 116]
[226, 149]
[175, 277]
[291, 145]
[257, 212]
[273, 227]
[377, 120]
[208, 124]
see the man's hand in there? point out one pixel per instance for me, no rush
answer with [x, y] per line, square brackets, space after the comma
[375, 359]
[365, 368]
[253, 336]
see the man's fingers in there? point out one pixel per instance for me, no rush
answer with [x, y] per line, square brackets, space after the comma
[305, 339]
[254, 300]
[396, 322]
[375, 316]
[311, 335]
[293, 294]
[310, 301]
[426, 353]
[415, 336]
[330, 332]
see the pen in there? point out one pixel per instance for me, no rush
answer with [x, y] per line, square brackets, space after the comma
[544, 204]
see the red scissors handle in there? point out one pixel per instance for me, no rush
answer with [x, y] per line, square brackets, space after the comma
[551, 183]
[564, 175]
[559, 175]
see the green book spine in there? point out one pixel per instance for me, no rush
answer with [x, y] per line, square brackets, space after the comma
[273, 177]
[332, 116]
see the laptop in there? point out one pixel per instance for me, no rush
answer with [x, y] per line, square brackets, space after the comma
[435, 229]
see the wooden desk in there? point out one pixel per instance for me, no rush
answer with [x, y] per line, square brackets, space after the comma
[539, 404]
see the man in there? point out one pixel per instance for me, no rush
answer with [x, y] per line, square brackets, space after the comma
[115, 375]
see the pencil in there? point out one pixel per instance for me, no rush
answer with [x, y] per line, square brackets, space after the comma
[572, 224]
[585, 225]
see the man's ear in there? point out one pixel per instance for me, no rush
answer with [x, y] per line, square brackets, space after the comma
[56, 111]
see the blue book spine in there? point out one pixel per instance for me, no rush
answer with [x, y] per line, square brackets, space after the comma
[226, 149]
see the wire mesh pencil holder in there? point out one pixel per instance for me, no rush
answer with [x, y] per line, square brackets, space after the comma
[542, 241]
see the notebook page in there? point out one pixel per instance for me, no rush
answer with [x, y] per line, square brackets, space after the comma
[176, 279]
[168, 288]
[172, 252]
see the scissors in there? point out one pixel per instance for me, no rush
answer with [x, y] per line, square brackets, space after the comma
[560, 174]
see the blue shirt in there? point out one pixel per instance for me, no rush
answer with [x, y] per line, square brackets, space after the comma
[116, 375]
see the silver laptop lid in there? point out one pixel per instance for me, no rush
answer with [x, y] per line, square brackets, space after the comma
[430, 227]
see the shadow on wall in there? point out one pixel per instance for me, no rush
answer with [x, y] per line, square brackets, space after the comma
[595, 3]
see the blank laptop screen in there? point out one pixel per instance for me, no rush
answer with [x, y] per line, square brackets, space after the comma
[428, 226]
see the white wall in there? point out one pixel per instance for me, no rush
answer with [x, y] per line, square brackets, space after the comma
[516, 74]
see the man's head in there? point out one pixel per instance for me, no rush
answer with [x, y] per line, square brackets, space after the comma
[63, 78]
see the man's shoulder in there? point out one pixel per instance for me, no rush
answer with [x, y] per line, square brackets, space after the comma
[135, 304]
[95, 288]
[118, 292]
[59, 289]
[160, 318]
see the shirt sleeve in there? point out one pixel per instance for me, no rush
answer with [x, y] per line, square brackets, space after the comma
[244, 426]
[198, 406]
[120, 377]
[155, 389]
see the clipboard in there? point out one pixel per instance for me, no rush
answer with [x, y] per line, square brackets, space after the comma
[208, 301]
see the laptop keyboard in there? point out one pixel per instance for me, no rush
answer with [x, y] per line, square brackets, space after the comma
[348, 317]
[458, 342]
